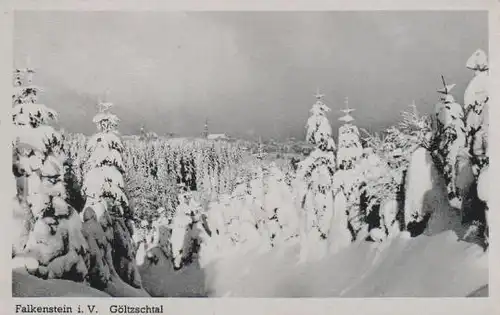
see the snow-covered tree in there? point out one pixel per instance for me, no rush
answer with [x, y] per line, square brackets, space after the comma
[314, 181]
[319, 131]
[385, 161]
[451, 138]
[349, 145]
[188, 232]
[49, 229]
[348, 155]
[107, 216]
[283, 217]
[425, 195]
[476, 100]
[474, 157]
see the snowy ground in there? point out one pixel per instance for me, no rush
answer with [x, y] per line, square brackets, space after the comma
[24, 285]
[437, 266]
[160, 279]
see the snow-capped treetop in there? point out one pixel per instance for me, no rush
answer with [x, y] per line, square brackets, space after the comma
[349, 146]
[448, 99]
[478, 61]
[105, 106]
[477, 90]
[446, 89]
[449, 111]
[415, 126]
[413, 120]
[319, 131]
[346, 118]
[106, 122]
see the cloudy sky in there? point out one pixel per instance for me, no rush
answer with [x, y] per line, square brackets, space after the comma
[249, 73]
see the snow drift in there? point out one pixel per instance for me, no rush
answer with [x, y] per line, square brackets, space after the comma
[425, 266]
[25, 285]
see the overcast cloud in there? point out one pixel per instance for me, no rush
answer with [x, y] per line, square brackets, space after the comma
[249, 73]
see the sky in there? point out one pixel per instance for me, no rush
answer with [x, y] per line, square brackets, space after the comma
[250, 74]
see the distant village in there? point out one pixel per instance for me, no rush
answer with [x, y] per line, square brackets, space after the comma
[280, 147]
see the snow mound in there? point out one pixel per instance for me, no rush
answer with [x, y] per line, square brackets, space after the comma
[426, 266]
[25, 285]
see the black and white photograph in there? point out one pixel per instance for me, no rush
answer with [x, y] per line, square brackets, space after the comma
[250, 154]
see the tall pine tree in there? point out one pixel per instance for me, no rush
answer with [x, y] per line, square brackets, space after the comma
[476, 100]
[50, 236]
[473, 175]
[451, 139]
[315, 182]
[349, 153]
[107, 215]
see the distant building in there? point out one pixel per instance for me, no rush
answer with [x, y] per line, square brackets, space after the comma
[205, 130]
[217, 136]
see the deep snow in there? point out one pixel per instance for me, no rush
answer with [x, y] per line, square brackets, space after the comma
[437, 266]
[25, 285]
[425, 266]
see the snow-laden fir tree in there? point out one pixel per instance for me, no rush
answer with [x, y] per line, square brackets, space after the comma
[220, 242]
[107, 215]
[253, 195]
[348, 155]
[384, 164]
[349, 149]
[451, 138]
[48, 240]
[476, 99]
[188, 230]
[283, 219]
[314, 182]
[475, 157]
